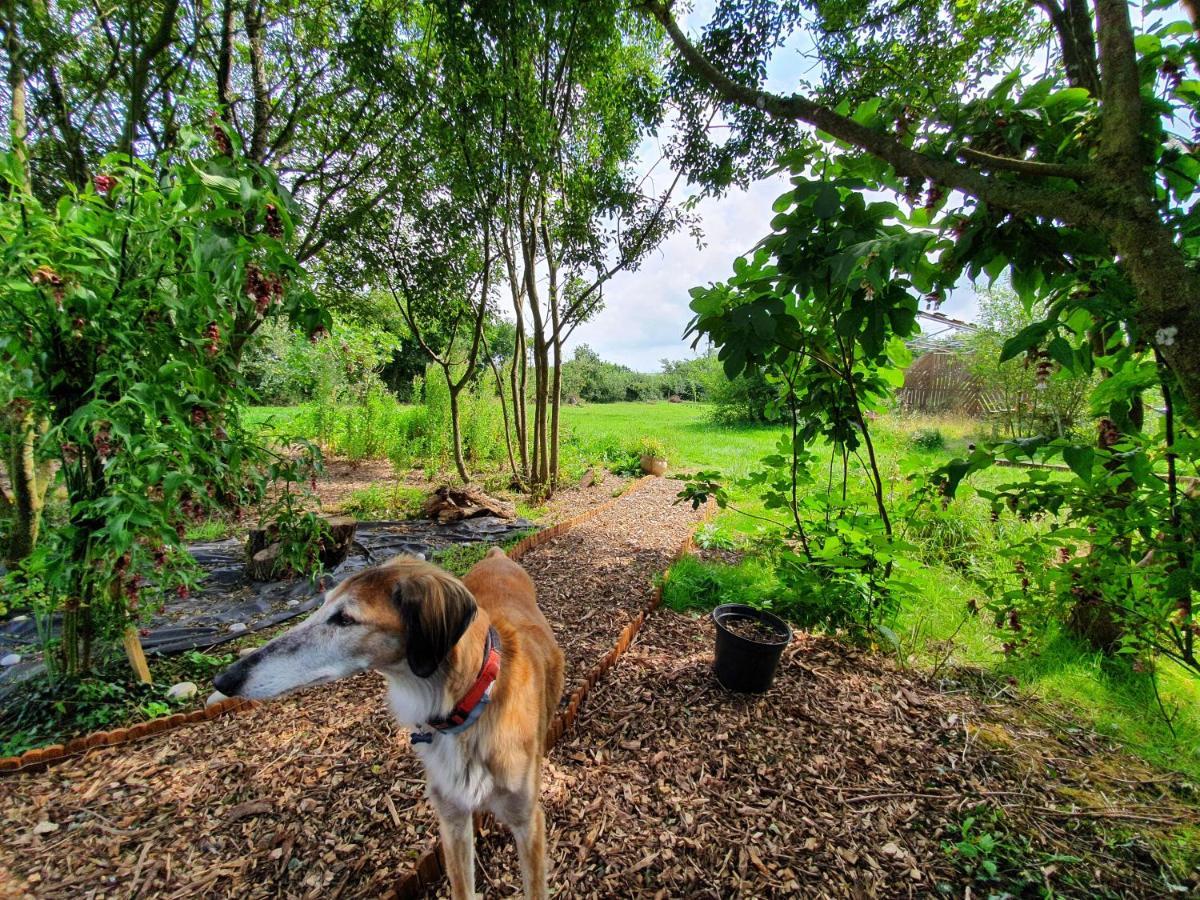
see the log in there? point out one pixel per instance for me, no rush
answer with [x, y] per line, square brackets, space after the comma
[336, 548]
[453, 504]
[261, 566]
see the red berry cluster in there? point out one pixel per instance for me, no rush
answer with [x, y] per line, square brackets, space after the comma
[103, 440]
[219, 138]
[212, 333]
[1042, 373]
[912, 189]
[1172, 73]
[933, 196]
[199, 416]
[132, 588]
[318, 335]
[104, 183]
[1109, 434]
[273, 225]
[263, 289]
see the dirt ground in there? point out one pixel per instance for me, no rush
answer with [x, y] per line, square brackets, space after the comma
[850, 778]
[315, 795]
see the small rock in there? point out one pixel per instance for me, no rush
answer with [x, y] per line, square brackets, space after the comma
[238, 627]
[184, 690]
[11, 660]
[215, 697]
[293, 603]
[21, 618]
[45, 827]
[588, 479]
[246, 651]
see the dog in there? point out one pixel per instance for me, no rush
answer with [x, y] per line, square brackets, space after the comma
[472, 666]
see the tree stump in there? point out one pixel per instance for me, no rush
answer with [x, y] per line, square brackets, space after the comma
[263, 548]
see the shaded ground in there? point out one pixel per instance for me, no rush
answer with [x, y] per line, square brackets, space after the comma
[315, 795]
[848, 779]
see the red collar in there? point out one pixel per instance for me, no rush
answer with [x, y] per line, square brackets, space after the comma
[470, 707]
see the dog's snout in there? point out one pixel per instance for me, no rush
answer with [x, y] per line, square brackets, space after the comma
[230, 681]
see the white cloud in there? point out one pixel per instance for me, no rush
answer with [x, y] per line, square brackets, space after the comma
[646, 311]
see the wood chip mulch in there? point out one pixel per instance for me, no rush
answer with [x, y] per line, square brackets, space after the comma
[315, 795]
[848, 779]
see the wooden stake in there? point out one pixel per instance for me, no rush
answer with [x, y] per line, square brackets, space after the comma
[137, 656]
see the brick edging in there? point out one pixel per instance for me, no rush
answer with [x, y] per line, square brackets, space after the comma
[429, 871]
[43, 757]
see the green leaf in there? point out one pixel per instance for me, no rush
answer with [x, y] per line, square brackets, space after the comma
[1027, 338]
[1081, 460]
[827, 202]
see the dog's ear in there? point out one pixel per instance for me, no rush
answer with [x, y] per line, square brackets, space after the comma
[436, 609]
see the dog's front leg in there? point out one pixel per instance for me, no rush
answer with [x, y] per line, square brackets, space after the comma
[530, 837]
[458, 848]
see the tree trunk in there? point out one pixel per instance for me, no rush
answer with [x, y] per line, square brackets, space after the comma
[555, 404]
[17, 127]
[258, 77]
[456, 430]
[29, 480]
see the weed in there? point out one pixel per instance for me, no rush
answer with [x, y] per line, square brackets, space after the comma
[711, 536]
[380, 501]
[928, 439]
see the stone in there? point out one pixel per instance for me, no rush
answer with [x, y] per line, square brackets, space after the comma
[215, 697]
[238, 627]
[246, 651]
[11, 660]
[184, 690]
[293, 603]
[45, 827]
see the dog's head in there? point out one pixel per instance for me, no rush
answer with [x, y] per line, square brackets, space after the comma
[403, 613]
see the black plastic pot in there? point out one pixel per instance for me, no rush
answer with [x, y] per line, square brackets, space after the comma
[741, 664]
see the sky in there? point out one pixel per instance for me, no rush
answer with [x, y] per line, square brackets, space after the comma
[646, 311]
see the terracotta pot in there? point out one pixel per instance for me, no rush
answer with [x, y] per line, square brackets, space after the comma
[652, 465]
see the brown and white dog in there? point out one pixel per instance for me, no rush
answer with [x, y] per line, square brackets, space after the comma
[432, 638]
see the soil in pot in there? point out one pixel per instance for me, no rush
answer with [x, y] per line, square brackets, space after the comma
[752, 630]
[749, 644]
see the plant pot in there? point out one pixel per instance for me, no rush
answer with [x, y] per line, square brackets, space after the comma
[744, 664]
[653, 465]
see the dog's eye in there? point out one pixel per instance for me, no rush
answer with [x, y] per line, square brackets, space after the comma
[340, 619]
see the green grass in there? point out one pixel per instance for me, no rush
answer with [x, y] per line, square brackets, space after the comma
[1109, 696]
[384, 501]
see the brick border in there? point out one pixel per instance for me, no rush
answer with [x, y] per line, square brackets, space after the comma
[43, 757]
[428, 871]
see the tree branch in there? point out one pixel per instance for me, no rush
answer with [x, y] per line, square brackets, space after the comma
[1025, 166]
[1003, 194]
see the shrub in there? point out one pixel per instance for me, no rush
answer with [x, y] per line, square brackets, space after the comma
[132, 356]
[746, 400]
[651, 446]
[928, 439]
[285, 368]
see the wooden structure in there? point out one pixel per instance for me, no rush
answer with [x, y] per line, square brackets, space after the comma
[940, 382]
